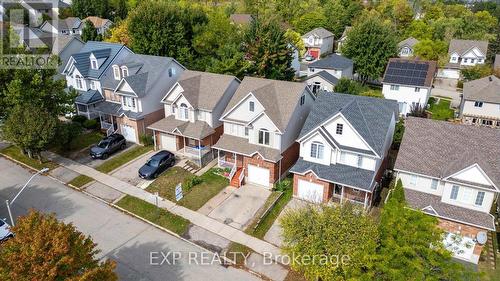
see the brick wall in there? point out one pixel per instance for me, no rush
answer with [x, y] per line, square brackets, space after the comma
[290, 156]
[257, 160]
[150, 119]
[133, 123]
[462, 229]
[310, 177]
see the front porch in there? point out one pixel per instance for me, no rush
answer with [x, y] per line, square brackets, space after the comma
[86, 110]
[198, 151]
[342, 194]
[234, 163]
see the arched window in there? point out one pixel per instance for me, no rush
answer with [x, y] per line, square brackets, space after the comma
[317, 150]
[184, 111]
[264, 136]
[116, 72]
[124, 71]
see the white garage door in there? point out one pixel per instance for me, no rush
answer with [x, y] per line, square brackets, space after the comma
[310, 191]
[168, 142]
[258, 175]
[129, 133]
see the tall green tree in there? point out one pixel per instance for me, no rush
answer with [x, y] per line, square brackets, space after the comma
[268, 50]
[310, 21]
[46, 249]
[85, 8]
[341, 13]
[120, 9]
[370, 44]
[335, 232]
[494, 46]
[430, 50]
[89, 32]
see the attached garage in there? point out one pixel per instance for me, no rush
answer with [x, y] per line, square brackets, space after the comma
[310, 191]
[168, 142]
[129, 133]
[258, 175]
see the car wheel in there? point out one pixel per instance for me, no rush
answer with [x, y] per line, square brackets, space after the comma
[123, 146]
[104, 156]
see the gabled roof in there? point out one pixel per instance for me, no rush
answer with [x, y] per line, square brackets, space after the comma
[410, 42]
[370, 117]
[485, 89]
[242, 146]
[197, 129]
[97, 21]
[138, 83]
[203, 89]
[333, 61]
[101, 50]
[462, 46]
[319, 32]
[325, 75]
[410, 72]
[89, 97]
[440, 149]
[279, 98]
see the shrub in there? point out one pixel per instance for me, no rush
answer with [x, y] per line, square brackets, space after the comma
[66, 132]
[283, 185]
[90, 124]
[79, 119]
[460, 84]
[146, 140]
[191, 182]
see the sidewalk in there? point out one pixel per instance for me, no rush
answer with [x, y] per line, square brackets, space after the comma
[228, 232]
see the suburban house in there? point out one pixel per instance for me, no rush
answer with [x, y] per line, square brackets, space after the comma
[119, 87]
[241, 19]
[343, 149]
[36, 9]
[464, 53]
[193, 107]
[261, 123]
[67, 26]
[342, 39]
[481, 102]
[406, 47]
[318, 42]
[409, 81]
[323, 74]
[450, 171]
[100, 24]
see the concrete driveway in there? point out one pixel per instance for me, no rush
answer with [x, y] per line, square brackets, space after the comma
[238, 209]
[445, 87]
[273, 235]
[130, 172]
[84, 157]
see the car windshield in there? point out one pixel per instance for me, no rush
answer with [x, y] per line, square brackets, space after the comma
[153, 162]
[103, 144]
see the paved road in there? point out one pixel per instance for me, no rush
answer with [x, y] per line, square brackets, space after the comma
[120, 237]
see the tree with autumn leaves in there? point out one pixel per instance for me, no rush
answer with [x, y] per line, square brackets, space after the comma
[44, 248]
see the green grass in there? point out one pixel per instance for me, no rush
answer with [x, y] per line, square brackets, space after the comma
[80, 181]
[154, 214]
[79, 143]
[441, 110]
[16, 153]
[195, 197]
[237, 252]
[123, 158]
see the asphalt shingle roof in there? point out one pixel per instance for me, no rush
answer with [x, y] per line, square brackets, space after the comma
[462, 46]
[333, 61]
[242, 146]
[410, 42]
[440, 149]
[89, 97]
[410, 72]
[320, 32]
[371, 117]
[485, 89]
[101, 50]
[197, 129]
[325, 75]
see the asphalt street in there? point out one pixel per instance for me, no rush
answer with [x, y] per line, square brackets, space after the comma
[141, 251]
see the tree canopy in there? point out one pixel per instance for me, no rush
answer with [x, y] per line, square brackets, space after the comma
[89, 32]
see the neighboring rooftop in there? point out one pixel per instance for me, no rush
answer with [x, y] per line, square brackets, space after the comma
[97, 21]
[463, 46]
[411, 72]
[344, 33]
[485, 89]
[410, 42]
[197, 129]
[325, 75]
[318, 32]
[279, 98]
[333, 61]
[242, 19]
[440, 149]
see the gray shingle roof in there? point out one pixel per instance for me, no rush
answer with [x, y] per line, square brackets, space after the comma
[420, 200]
[440, 149]
[411, 72]
[462, 46]
[338, 173]
[333, 61]
[410, 42]
[138, 83]
[325, 75]
[197, 129]
[371, 117]
[242, 146]
[485, 89]
[279, 98]
[116, 109]
[89, 97]
[101, 50]
[203, 89]
[320, 32]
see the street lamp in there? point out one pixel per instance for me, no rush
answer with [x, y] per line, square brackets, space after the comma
[17, 195]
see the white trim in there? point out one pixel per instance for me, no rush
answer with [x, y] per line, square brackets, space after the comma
[118, 86]
[311, 171]
[459, 221]
[248, 155]
[447, 178]
[328, 143]
[169, 91]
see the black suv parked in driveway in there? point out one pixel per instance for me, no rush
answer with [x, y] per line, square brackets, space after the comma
[107, 146]
[157, 164]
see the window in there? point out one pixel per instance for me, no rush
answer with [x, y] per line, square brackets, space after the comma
[79, 83]
[302, 99]
[454, 192]
[133, 102]
[471, 60]
[92, 85]
[434, 184]
[478, 104]
[338, 189]
[340, 128]
[479, 60]
[394, 87]
[360, 161]
[264, 136]
[124, 71]
[171, 72]
[172, 108]
[251, 106]
[129, 102]
[479, 198]
[317, 149]
[342, 157]
[417, 89]
[487, 122]
[116, 72]
[413, 180]
[246, 132]
[93, 64]
[465, 60]
[454, 59]
[184, 111]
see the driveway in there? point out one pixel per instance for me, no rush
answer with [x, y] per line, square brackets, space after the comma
[445, 87]
[130, 172]
[84, 157]
[273, 235]
[122, 238]
[239, 208]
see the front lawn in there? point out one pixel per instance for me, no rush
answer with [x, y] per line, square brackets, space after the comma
[16, 153]
[441, 109]
[194, 197]
[80, 181]
[123, 158]
[154, 214]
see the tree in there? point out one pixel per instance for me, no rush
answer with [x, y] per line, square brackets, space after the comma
[31, 128]
[476, 72]
[398, 11]
[370, 44]
[420, 30]
[85, 8]
[67, 132]
[348, 86]
[430, 50]
[398, 133]
[89, 32]
[121, 9]
[345, 13]
[411, 246]
[268, 50]
[494, 46]
[229, 60]
[330, 231]
[119, 33]
[64, 254]
[310, 21]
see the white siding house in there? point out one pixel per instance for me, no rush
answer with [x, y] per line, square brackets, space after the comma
[481, 102]
[463, 53]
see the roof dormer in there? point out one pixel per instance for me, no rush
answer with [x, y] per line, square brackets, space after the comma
[116, 72]
[124, 71]
[94, 64]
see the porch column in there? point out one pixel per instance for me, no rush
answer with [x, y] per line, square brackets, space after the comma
[184, 140]
[88, 112]
[341, 194]
[366, 199]
[218, 157]
[199, 152]
[235, 160]
[154, 138]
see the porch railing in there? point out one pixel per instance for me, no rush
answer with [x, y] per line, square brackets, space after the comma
[225, 164]
[233, 171]
[196, 152]
[242, 175]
